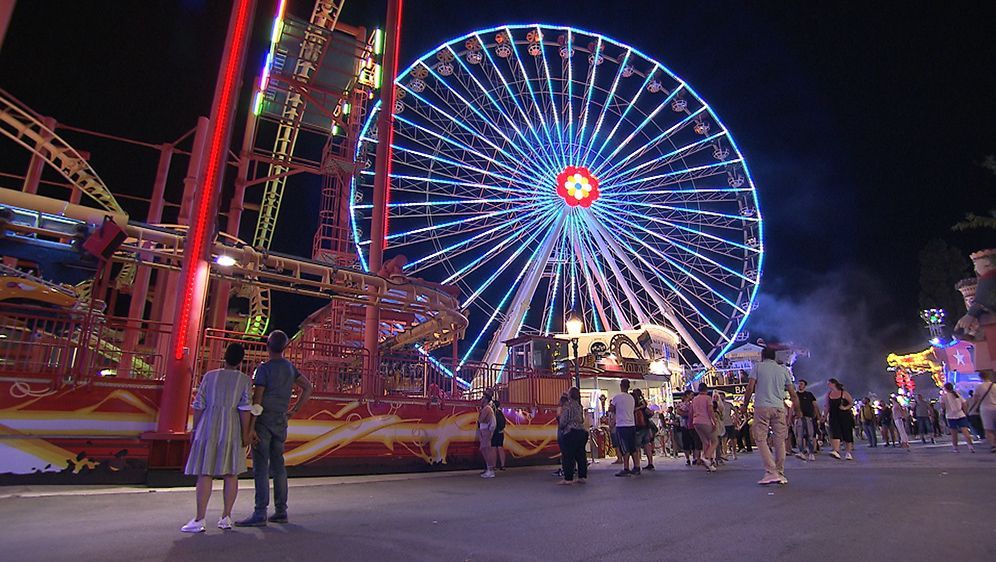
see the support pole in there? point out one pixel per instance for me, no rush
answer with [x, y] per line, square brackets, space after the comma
[382, 182]
[204, 211]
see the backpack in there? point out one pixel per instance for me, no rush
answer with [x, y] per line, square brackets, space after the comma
[499, 421]
[639, 418]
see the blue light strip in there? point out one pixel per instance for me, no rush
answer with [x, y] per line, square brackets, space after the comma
[664, 159]
[450, 203]
[451, 162]
[442, 368]
[605, 106]
[646, 121]
[685, 228]
[622, 118]
[493, 251]
[448, 181]
[609, 172]
[678, 266]
[587, 101]
[569, 59]
[397, 235]
[553, 300]
[687, 210]
[553, 102]
[504, 300]
[532, 95]
[673, 174]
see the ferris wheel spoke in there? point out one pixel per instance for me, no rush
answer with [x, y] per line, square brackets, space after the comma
[596, 276]
[646, 121]
[451, 182]
[670, 284]
[599, 243]
[532, 96]
[549, 84]
[702, 171]
[449, 203]
[674, 264]
[569, 61]
[551, 163]
[552, 305]
[617, 173]
[533, 226]
[608, 101]
[703, 218]
[622, 209]
[652, 143]
[518, 172]
[449, 224]
[598, 159]
[456, 164]
[593, 69]
[480, 237]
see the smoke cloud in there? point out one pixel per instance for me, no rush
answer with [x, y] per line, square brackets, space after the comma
[846, 319]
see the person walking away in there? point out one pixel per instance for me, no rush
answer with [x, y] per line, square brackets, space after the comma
[900, 416]
[767, 384]
[954, 411]
[486, 424]
[921, 411]
[274, 384]
[743, 431]
[806, 423]
[885, 423]
[974, 407]
[623, 406]
[498, 438]
[840, 418]
[221, 426]
[705, 426]
[985, 404]
[571, 427]
[935, 423]
[645, 428]
[727, 434]
[867, 412]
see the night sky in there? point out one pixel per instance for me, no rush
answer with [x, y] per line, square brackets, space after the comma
[864, 126]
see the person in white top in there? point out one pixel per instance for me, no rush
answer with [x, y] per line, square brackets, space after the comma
[900, 417]
[984, 402]
[623, 406]
[954, 410]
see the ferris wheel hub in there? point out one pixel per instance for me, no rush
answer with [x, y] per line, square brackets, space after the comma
[577, 186]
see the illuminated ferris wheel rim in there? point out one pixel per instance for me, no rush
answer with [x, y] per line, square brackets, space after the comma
[459, 51]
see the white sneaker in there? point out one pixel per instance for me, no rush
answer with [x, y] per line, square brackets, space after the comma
[768, 479]
[225, 523]
[782, 480]
[800, 456]
[835, 455]
[488, 474]
[812, 457]
[193, 526]
[848, 457]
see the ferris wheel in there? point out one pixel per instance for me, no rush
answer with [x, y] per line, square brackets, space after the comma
[547, 170]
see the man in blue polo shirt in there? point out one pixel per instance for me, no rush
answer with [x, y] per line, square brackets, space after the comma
[768, 383]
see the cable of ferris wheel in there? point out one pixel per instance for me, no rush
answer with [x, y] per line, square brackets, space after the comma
[532, 95]
[609, 172]
[608, 101]
[712, 166]
[684, 228]
[457, 164]
[551, 162]
[615, 172]
[529, 240]
[588, 248]
[632, 135]
[547, 159]
[622, 118]
[445, 181]
[512, 287]
[680, 268]
[596, 302]
[493, 251]
[549, 85]
[448, 224]
[593, 67]
[504, 225]
[519, 172]
[671, 285]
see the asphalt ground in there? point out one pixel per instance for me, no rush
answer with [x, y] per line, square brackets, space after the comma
[928, 504]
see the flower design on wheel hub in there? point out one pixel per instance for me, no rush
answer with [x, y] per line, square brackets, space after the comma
[577, 186]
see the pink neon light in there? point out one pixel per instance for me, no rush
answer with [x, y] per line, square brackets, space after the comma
[212, 171]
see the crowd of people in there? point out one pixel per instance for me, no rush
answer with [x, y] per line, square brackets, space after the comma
[229, 417]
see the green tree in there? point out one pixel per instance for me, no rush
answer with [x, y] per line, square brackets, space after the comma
[941, 266]
[973, 220]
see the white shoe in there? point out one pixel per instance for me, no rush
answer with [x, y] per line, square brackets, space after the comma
[768, 479]
[782, 480]
[835, 455]
[193, 526]
[848, 457]
[225, 523]
[488, 474]
[800, 456]
[812, 457]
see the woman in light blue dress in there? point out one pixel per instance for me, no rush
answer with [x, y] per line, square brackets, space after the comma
[221, 424]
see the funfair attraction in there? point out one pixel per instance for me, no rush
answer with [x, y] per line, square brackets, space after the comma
[542, 206]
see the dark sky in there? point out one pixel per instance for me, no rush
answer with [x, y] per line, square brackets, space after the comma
[864, 126]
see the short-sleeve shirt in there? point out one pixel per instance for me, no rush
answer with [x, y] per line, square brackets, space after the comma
[701, 409]
[625, 404]
[772, 380]
[726, 411]
[277, 377]
[807, 402]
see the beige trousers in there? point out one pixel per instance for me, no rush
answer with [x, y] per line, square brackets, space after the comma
[773, 419]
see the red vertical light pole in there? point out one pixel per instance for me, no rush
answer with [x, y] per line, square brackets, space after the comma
[204, 213]
[382, 180]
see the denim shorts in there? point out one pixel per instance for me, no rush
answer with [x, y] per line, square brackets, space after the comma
[959, 423]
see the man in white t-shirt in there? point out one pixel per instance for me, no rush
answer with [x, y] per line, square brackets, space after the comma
[622, 407]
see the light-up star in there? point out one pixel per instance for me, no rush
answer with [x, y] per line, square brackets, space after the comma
[959, 357]
[577, 186]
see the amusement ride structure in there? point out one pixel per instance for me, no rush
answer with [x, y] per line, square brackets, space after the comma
[526, 174]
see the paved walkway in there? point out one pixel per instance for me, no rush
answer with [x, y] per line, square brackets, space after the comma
[888, 504]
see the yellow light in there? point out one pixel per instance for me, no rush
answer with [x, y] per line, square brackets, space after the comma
[575, 324]
[225, 261]
[345, 108]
